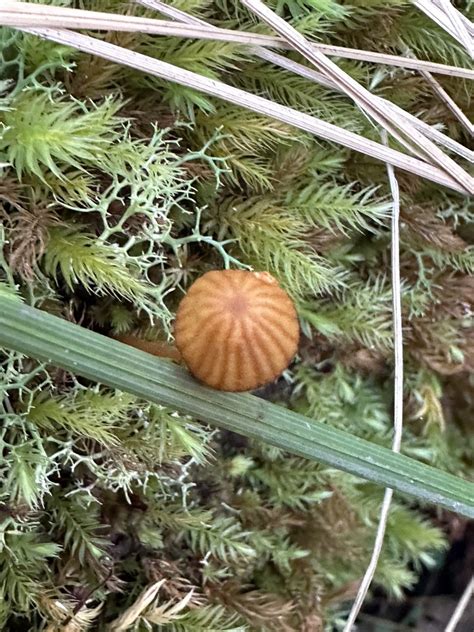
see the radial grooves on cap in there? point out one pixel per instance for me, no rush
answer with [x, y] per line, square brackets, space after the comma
[236, 330]
[197, 338]
[275, 323]
[234, 375]
[257, 359]
[247, 374]
[217, 363]
[207, 360]
[274, 351]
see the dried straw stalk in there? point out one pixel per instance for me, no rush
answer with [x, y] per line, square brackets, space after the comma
[400, 128]
[308, 123]
[21, 14]
[313, 75]
[451, 20]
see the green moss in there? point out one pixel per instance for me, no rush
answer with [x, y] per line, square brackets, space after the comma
[114, 196]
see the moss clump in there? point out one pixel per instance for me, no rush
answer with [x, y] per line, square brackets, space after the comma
[118, 192]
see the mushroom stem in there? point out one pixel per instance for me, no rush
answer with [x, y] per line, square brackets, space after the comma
[161, 349]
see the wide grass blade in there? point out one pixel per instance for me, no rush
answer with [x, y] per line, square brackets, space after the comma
[86, 353]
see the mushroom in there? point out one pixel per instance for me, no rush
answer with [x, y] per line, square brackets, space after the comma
[236, 330]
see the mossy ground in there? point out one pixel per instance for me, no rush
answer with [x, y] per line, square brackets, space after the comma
[116, 191]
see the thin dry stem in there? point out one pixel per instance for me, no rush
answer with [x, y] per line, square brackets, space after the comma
[450, 19]
[397, 397]
[448, 101]
[313, 75]
[19, 14]
[401, 129]
[461, 607]
[258, 104]
[467, 23]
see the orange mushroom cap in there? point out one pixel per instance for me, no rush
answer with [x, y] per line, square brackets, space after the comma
[236, 330]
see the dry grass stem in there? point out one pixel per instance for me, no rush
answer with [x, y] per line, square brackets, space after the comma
[428, 130]
[450, 19]
[397, 395]
[22, 15]
[19, 14]
[313, 75]
[461, 607]
[401, 129]
[448, 101]
[258, 104]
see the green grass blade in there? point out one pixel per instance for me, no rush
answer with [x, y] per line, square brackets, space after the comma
[83, 352]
